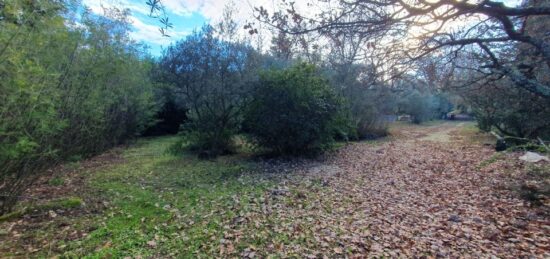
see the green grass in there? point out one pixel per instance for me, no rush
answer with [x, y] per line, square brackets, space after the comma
[166, 205]
[63, 203]
[56, 181]
[156, 204]
[12, 215]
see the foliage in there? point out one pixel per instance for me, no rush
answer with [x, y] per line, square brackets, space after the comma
[424, 106]
[512, 111]
[213, 77]
[65, 90]
[367, 109]
[171, 113]
[490, 30]
[293, 111]
[504, 101]
[365, 105]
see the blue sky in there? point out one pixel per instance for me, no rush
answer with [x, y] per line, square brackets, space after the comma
[183, 25]
[186, 15]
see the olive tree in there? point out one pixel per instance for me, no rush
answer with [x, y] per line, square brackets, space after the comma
[213, 77]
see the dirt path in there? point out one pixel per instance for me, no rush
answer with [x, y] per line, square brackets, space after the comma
[422, 193]
[430, 196]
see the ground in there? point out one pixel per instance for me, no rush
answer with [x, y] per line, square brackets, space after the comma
[436, 190]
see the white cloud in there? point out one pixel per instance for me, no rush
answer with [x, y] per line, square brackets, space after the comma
[150, 33]
[97, 6]
[212, 10]
[181, 7]
[142, 31]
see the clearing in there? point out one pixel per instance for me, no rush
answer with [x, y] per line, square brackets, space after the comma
[433, 190]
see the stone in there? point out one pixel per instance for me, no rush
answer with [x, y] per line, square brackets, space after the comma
[533, 157]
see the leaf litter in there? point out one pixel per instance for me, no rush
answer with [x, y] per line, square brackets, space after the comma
[410, 196]
[402, 198]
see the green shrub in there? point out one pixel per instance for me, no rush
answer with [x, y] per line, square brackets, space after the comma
[510, 110]
[213, 78]
[67, 92]
[365, 103]
[293, 111]
[417, 105]
[424, 106]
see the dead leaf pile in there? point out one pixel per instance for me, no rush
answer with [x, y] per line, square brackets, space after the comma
[400, 199]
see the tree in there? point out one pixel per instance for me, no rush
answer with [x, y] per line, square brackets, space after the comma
[214, 78]
[413, 29]
[294, 111]
[281, 46]
[66, 91]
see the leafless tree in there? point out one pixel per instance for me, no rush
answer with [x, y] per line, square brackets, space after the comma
[410, 30]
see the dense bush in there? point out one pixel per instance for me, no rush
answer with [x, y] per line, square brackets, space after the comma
[212, 77]
[424, 106]
[66, 90]
[367, 109]
[171, 113]
[510, 110]
[368, 103]
[293, 111]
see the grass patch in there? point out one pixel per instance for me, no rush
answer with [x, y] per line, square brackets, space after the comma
[166, 205]
[56, 181]
[64, 203]
[157, 204]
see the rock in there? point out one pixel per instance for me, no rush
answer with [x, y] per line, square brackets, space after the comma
[492, 233]
[52, 214]
[152, 243]
[477, 220]
[533, 157]
[521, 224]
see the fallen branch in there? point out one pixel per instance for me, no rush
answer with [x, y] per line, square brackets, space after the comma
[496, 135]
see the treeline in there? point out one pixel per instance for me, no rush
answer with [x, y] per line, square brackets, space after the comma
[74, 84]
[69, 88]
[279, 101]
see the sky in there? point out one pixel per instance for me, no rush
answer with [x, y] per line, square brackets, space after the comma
[186, 15]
